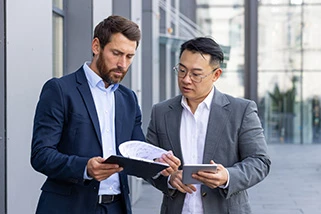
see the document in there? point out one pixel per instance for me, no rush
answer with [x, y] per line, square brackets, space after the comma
[137, 159]
[140, 150]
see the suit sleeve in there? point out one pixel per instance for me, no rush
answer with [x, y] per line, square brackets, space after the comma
[47, 132]
[254, 164]
[161, 182]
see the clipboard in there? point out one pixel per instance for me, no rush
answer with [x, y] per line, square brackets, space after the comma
[137, 167]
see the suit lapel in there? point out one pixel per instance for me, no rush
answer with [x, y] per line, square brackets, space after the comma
[172, 124]
[218, 118]
[118, 116]
[85, 92]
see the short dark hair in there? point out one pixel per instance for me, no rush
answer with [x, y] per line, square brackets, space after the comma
[204, 45]
[116, 24]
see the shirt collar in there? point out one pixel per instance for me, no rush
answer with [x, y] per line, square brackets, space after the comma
[94, 80]
[207, 101]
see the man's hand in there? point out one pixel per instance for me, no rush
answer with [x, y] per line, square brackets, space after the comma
[171, 160]
[99, 170]
[176, 182]
[213, 179]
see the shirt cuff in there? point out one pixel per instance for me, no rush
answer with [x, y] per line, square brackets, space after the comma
[86, 177]
[168, 184]
[228, 181]
[156, 176]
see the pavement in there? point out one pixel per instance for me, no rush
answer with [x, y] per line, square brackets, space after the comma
[292, 187]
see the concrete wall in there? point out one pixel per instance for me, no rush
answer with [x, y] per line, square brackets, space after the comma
[29, 65]
[101, 10]
[2, 111]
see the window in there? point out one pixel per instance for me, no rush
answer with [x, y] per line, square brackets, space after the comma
[289, 70]
[224, 21]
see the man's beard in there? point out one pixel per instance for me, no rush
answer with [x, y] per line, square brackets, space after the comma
[104, 72]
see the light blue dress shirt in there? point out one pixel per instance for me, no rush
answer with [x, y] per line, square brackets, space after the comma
[105, 107]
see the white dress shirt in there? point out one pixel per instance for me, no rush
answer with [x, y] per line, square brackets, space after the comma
[192, 135]
[105, 107]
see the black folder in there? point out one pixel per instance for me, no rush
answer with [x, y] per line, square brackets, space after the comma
[139, 168]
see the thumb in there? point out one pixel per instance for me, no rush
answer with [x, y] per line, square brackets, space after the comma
[212, 162]
[100, 159]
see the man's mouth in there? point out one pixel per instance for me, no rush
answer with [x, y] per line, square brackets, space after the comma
[186, 89]
[118, 73]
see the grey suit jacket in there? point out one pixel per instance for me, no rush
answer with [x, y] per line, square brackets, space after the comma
[234, 139]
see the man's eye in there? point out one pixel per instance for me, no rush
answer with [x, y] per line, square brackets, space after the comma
[116, 53]
[182, 71]
[196, 75]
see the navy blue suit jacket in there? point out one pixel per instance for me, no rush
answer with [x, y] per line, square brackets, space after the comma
[66, 135]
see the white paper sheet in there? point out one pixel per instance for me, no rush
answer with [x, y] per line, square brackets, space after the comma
[140, 150]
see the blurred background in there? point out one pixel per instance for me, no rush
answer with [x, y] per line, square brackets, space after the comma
[272, 56]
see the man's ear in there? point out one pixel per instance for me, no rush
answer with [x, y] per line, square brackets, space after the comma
[217, 74]
[95, 46]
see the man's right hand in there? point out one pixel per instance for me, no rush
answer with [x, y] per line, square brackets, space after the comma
[171, 160]
[99, 170]
[176, 182]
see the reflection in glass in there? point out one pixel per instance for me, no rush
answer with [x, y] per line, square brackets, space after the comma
[57, 45]
[224, 21]
[289, 65]
[58, 4]
[289, 71]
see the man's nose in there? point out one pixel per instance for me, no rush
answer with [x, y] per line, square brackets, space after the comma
[122, 62]
[187, 77]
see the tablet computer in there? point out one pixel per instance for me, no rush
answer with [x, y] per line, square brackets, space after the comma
[189, 169]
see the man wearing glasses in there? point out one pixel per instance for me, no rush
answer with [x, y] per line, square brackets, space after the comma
[205, 126]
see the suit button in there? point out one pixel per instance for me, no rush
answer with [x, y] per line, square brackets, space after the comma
[204, 194]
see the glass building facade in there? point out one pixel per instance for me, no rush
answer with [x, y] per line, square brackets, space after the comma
[288, 62]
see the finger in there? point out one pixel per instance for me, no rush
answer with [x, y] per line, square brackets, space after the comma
[165, 173]
[186, 188]
[172, 168]
[104, 174]
[171, 160]
[168, 171]
[202, 176]
[100, 159]
[176, 182]
[192, 187]
[107, 166]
